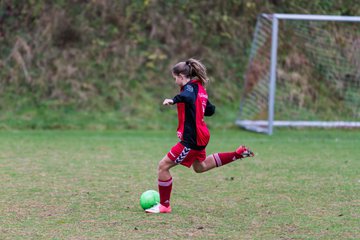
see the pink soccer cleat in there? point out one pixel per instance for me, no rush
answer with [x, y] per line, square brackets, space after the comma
[244, 152]
[158, 208]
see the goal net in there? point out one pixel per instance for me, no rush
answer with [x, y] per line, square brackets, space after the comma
[304, 70]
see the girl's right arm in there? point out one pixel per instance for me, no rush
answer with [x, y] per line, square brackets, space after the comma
[168, 102]
[186, 96]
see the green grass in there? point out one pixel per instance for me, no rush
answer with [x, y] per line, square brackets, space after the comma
[303, 184]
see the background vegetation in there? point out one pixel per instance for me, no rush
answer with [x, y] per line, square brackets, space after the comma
[105, 64]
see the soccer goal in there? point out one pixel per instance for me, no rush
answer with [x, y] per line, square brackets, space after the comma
[304, 71]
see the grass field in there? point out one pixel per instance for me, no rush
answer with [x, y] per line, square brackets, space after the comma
[303, 184]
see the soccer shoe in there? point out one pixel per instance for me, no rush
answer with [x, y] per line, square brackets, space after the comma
[158, 208]
[244, 152]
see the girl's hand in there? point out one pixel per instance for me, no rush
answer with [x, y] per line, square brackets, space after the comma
[168, 102]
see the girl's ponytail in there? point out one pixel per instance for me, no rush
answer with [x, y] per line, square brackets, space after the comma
[197, 69]
[192, 68]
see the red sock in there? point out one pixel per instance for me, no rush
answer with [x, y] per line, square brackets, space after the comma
[165, 191]
[225, 158]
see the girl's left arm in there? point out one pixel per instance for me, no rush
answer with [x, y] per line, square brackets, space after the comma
[209, 109]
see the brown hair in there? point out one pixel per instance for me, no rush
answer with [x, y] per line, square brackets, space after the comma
[191, 68]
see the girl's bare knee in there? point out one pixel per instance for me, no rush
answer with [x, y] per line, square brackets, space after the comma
[198, 168]
[161, 166]
[164, 165]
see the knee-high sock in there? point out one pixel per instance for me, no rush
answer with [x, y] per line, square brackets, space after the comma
[225, 158]
[165, 188]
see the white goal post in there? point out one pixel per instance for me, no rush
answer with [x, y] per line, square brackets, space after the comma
[317, 81]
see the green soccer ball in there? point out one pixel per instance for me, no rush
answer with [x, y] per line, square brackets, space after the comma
[149, 199]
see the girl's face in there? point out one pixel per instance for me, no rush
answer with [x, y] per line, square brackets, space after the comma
[180, 79]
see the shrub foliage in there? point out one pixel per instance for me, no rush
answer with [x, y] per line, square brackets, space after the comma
[101, 56]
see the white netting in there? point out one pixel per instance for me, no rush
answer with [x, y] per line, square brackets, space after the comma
[318, 72]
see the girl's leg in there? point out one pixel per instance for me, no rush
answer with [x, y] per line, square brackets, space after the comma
[220, 159]
[165, 180]
[206, 165]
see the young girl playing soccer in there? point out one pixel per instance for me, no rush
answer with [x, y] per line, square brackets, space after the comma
[192, 105]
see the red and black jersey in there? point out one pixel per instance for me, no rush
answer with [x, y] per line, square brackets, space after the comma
[192, 105]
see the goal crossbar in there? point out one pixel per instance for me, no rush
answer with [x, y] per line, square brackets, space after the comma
[315, 17]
